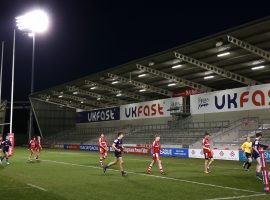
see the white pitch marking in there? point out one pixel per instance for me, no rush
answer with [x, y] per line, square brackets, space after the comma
[237, 197]
[14, 188]
[37, 187]
[161, 177]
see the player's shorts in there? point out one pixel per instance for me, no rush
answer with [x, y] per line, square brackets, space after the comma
[156, 156]
[248, 155]
[102, 151]
[207, 154]
[5, 150]
[118, 154]
[255, 155]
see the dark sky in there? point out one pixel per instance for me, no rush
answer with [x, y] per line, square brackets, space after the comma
[89, 36]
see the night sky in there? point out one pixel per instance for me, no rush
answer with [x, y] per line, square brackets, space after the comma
[89, 36]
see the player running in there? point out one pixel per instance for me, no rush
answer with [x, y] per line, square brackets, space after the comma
[156, 156]
[118, 149]
[38, 147]
[208, 153]
[32, 146]
[256, 154]
[247, 148]
[102, 149]
[6, 144]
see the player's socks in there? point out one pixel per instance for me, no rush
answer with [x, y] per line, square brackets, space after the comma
[101, 162]
[161, 171]
[149, 169]
[249, 164]
[258, 176]
[244, 165]
[105, 168]
[7, 161]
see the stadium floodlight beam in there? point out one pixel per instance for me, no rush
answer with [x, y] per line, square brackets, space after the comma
[33, 22]
[36, 21]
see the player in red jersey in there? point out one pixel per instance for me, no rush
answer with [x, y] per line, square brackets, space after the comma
[38, 147]
[156, 156]
[208, 153]
[32, 146]
[102, 149]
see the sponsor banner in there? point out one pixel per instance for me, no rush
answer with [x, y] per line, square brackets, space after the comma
[72, 146]
[242, 156]
[183, 152]
[11, 138]
[99, 115]
[137, 150]
[58, 146]
[264, 171]
[245, 98]
[149, 109]
[218, 154]
[89, 148]
[173, 152]
[187, 92]
[45, 146]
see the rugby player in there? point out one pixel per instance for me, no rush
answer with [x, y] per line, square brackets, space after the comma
[6, 144]
[32, 146]
[38, 147]
[156, 156]
[118, 149]
[256, 154]
[102, 149]
[208, 153]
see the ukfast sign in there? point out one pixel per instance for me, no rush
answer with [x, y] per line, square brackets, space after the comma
[98, 115]
[246, 98]
[149, 109]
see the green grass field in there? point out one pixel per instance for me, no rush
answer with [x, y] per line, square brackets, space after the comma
[77, 175]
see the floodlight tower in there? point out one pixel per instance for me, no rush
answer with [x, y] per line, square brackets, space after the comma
[33, 22]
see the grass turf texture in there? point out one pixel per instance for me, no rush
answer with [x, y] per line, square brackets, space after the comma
[76, 175]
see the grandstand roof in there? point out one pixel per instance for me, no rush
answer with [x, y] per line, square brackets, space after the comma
[230, 59]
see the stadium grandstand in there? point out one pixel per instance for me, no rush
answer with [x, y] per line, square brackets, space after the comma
[219, 84]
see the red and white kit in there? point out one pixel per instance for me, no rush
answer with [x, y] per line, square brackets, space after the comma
[156, 150]
[32, 144]
[38, 145]
[102, 145]
[206, 148]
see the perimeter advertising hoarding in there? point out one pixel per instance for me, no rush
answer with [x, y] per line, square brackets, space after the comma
[99, 115]
[242, 156]
[218, 154]
[245, 98]
[173, 152]
[149, 109]
[72, 146]
[132, 150]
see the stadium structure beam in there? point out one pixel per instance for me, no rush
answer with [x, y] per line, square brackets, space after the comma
[115, 90]
[174, 78]
[80, 99]
[62, 102]
[96, 95]
[222, 72]
[249, 47]
[142, 85]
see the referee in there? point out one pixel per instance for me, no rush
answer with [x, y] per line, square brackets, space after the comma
[247, 148]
